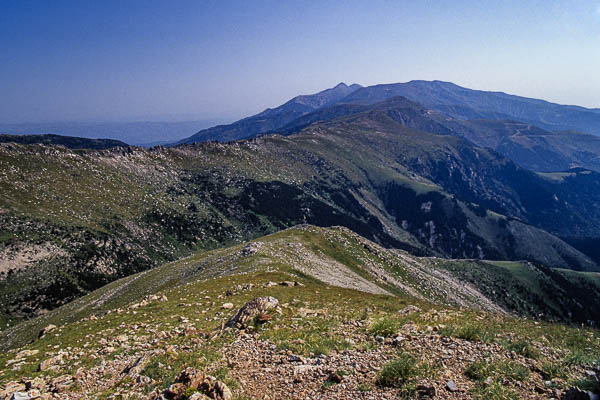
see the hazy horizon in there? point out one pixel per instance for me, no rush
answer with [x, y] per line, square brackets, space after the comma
[153, 60]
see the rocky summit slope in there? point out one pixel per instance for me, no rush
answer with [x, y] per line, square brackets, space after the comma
[306, 313]
[75, 220]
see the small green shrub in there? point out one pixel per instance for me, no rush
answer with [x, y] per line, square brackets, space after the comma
[513, 370]
[474, 333]
[400, 372]
[579, 357]
[495, 391]
[327, 384]
[365, 387]
[470, 331]
[222, 374]
[403, 373]
[524, 348]
[448, 331]
[551, 370]
[384, 327]
[480, 370]
[189, 392]
[589, 384]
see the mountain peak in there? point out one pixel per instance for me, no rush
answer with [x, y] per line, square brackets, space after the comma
[327, 96]
[344, 86]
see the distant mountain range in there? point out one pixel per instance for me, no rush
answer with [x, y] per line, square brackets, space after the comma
[397, 172]
[87, 218]
[446, 98]
[66, 141]
[143, 133]
[536, 134]
[463, 103]
[274, 118]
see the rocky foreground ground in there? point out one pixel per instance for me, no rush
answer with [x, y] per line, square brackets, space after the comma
[281, 339]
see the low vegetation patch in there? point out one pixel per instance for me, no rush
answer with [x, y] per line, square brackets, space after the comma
[552, 370]
[497, 370]
[386, 326]
[312, 337]
[523, 348]
[590, 384]
[471, 331]
[365, 387]
[404, 372]
[495, 391]
[580, 357]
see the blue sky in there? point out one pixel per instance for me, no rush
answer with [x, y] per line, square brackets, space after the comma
[129, 59]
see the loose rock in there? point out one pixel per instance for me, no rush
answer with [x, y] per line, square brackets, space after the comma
[451, 386]
[20, 396]
[48, 329]
[409, 310]
[252, 309]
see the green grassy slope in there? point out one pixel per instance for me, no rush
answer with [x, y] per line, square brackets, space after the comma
[339, 257]
[300, 251]
[105, 335]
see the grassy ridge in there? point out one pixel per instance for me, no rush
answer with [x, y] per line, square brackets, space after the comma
[324, 254]
[316, 320]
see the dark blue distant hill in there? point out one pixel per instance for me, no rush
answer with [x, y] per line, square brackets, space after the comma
[138, 133]
[66, 141]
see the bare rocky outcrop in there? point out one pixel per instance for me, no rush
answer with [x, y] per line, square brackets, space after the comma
[253, 309]
[192, 380]
[409, 310]
[47, 330]
[21, 256]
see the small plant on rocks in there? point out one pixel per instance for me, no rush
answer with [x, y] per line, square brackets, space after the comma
[474, 332]
[384, 327]
[403, 373]
[590, 384]
[481, 370]
[579, 357]
[524, 348]
[551, 370]
[365, 387]
[495, 391]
